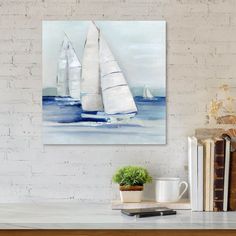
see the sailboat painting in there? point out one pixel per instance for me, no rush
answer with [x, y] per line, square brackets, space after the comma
[104, 82]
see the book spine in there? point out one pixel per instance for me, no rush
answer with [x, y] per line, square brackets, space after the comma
[232, 182]
[218, 195]
[200, 177]
[211, 194]
[226, 175]
[192, 156]
[207, 175]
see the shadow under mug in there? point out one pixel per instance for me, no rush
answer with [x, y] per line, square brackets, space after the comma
[168, 189]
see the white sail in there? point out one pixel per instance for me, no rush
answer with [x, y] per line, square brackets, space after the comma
[74, 73]
[91, 98]
[69, 71]
[147, 93]
[116, 95]
[62, 71]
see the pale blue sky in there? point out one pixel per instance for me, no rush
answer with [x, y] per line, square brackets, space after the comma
[138, 46]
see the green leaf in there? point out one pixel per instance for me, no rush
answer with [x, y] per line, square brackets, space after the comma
[131, 176]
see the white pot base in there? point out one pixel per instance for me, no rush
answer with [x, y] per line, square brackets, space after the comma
[131, 196]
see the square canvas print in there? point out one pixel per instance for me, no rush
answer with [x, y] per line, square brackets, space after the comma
[104, 82]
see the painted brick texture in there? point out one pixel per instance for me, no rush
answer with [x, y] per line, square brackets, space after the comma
[201, 55]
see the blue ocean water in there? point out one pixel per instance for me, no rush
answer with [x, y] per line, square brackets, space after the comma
[63, 123]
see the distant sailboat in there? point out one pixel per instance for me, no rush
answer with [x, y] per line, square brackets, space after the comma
[104, 88]
[69, 70]
[147, 93]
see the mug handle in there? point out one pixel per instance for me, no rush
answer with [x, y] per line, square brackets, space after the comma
[185, 189]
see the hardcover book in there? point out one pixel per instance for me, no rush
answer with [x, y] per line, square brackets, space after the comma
[232, 182]
[200, 160]
[212, 173]
[193, 172]
[227, 170]
[219, 162]
[207, 174]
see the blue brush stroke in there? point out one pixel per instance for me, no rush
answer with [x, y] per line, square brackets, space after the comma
[68, 110]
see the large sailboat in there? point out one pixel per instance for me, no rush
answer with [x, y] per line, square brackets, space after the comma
[104, 89]
[99, 84]
[69, 72]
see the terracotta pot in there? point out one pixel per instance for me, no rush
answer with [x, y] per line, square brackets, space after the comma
[131, 193]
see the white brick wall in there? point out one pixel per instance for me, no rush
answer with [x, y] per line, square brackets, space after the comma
[201, 38]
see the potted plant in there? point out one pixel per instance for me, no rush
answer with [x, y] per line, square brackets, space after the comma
[131, 180]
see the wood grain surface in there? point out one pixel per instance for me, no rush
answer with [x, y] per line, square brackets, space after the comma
[117, 232]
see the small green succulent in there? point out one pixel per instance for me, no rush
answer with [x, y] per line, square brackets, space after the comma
[132, 176]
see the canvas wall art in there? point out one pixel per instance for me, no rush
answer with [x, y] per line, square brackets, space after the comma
[104, 82]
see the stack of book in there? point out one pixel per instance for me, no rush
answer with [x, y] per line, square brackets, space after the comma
[212, 174]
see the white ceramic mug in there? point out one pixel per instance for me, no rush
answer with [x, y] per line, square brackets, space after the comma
[168, 189]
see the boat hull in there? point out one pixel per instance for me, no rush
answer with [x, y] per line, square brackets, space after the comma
[109, 118]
